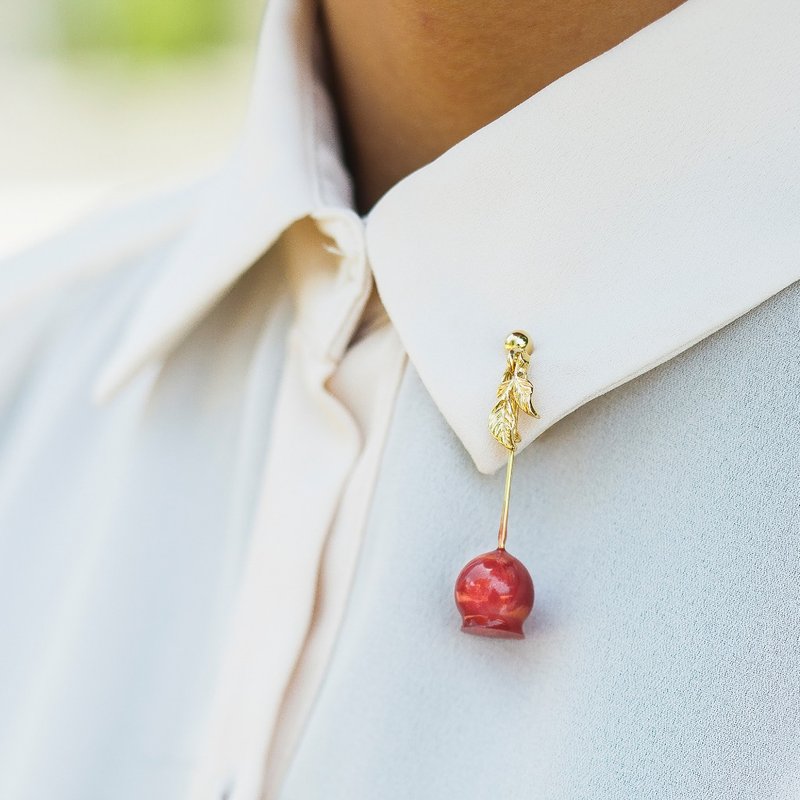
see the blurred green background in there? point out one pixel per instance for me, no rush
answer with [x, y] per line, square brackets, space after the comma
[146, 28]
[139, 29]
[102, 101]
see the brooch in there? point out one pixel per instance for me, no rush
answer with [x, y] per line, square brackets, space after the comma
[494, 591]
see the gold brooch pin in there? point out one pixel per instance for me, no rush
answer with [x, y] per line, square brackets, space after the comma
[494, 592]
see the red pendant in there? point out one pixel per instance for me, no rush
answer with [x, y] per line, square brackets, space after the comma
[494, 595]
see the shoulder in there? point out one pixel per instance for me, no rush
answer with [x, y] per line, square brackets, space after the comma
[107, 245]
[65, 302]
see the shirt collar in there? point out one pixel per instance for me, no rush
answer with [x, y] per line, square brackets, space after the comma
[620, 215]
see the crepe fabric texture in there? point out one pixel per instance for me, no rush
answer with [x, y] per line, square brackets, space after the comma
[243, 451]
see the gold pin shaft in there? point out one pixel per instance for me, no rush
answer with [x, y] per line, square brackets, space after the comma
[502, 533]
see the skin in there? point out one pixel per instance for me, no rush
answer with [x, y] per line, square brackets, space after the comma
[414, 77]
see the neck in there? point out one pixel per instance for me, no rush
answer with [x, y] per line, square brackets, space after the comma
[412, 78]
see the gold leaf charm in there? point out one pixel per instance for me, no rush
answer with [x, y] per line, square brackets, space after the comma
[515, 392]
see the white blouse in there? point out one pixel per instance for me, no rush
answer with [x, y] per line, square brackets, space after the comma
[243, 450]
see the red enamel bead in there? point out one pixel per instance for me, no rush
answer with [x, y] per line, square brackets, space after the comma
[494, 594]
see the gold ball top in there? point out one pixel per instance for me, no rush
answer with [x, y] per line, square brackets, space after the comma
[517, 341]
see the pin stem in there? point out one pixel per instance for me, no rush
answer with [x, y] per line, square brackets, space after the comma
[503, 531]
